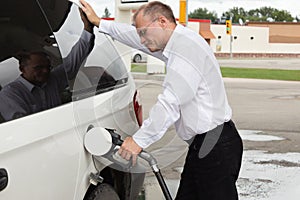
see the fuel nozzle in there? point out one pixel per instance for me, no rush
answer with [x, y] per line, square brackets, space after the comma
[116, 138]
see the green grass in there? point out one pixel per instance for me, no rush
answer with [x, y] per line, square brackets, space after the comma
[274, 74]
[138, 68]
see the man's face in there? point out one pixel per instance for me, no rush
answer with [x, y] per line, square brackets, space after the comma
[37, 69]
[151, 33]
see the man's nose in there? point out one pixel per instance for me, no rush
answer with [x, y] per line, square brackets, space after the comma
[46, 69]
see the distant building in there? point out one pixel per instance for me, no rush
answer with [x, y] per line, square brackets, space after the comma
[202, 26]
[280, 32]
[258, 39]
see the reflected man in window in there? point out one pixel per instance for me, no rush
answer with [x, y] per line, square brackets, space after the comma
[39, 86]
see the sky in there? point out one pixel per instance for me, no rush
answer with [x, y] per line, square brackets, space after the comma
[219, 6]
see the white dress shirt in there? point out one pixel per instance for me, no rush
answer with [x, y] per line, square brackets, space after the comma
[193, 97]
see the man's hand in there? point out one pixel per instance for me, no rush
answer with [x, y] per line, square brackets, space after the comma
[130, 149]
[90, 13]
[88, 26]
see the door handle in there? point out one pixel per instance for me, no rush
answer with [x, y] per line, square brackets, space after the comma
[3, 179]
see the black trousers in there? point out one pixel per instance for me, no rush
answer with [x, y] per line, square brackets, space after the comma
[212, 165]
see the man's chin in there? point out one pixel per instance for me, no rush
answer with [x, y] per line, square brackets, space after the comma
[42, 81]
[153, 49]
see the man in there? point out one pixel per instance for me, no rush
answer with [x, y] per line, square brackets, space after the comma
[39, 86]
[193, 98]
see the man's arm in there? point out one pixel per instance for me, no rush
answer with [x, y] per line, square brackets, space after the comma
[180, 87]
[88, 26]
[121, 32]
[79, 52]
[81, 49]
[90, 13]
[162, 115]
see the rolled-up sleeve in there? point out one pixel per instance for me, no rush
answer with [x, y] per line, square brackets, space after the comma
[124, 33]
[162, 115]
[127, 35]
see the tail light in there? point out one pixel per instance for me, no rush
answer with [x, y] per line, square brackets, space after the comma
[138, 110]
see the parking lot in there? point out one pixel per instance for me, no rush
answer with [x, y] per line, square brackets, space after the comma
[267, 114]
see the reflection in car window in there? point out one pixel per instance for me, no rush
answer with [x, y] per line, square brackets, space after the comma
[103, 71]
[25, 33]
[24, 30]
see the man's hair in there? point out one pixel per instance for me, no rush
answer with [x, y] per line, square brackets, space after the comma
[154, 9]
[24, 57]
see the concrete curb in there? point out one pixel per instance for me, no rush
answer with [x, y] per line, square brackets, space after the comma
[145, 76]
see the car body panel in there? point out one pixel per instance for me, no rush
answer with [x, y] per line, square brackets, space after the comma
[43, 153]
[34, 147]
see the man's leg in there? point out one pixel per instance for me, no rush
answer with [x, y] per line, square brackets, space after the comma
[212, 177]
[187, 186]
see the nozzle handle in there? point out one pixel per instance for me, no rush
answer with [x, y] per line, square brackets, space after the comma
[116, 138]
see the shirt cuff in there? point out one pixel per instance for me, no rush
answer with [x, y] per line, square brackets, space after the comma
[140, 141]
[144, 140]
[104, 26]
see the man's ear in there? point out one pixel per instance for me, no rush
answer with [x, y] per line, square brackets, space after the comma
[163, 22]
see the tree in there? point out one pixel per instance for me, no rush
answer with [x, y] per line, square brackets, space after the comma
[203, 13]
[277, 15]
[106, 13]
[238, 13]
[259, 14]
[283, 15]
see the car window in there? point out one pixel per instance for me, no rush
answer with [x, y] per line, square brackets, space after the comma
[103, 71]
[32, 26]
[24, 29]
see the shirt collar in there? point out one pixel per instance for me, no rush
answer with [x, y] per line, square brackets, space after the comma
[177, 31]
[27, 84]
